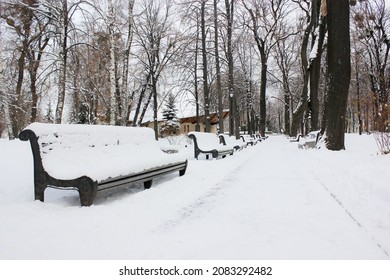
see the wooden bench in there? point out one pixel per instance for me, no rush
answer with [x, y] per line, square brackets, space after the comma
[295, 139]
[249, 139]
[310, 140]
[92, 158]
[209, 144]
[227, 140]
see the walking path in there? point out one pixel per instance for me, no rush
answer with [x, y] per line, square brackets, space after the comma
[271, 207]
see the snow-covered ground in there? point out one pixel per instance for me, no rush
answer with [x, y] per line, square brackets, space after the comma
[270, 201]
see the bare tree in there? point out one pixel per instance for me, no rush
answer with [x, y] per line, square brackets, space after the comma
[25, 20]
[157, 43]
[204, 64]
[218, 68]
[265, 22]
[373, 22]
[129, 100]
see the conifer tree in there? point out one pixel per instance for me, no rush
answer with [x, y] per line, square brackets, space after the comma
[171, 125]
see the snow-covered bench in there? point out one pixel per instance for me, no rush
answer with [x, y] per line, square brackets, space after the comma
[91, 158]
[249, 139]
[310, 140]
[295, 139]
[227, 140]
[209, 144]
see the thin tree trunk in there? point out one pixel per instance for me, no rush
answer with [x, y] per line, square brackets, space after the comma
[233, 120]
[218, 70]
[197, 125]
[205, 80]
[263, 85]
[141, 97]
[145, 109]
[112, 87]
[63, 26]
[359, 113]
[125, 71]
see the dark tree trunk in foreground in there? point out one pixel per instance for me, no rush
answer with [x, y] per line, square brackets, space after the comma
[339, 73]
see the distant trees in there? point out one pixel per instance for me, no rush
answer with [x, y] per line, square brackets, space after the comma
[266, 23]
[115, 62]
[372, 47]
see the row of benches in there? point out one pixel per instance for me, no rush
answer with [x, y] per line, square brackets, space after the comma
[93, 158]
[221, 145]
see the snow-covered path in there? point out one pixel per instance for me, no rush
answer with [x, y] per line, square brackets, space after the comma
[271, 201]
[283, 212]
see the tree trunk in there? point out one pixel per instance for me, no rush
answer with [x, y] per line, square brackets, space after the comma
[141, 97]
[339, 73]
[197, 125]
[205, 80]
[112, 87]
[125, 71]
[155, 108]
[233, 114]
[318, 36]
[357, 77]
[218, 70]
[63, 26]
[263, 86]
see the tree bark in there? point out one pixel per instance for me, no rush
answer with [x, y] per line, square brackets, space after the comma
[339, 73]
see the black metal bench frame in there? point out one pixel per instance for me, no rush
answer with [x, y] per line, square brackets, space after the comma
[87, 187]
[215, 153]
[223, 141]
[252, 143]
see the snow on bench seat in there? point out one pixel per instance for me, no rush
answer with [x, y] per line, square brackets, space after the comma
[209, 144]
[107, 155]
[248, 139]
[231, 141]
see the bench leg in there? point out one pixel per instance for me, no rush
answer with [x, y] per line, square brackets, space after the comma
[148, 184]
[40, 185]
[87, 191]
[39, 192]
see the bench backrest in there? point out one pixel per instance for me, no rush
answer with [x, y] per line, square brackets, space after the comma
[231, 140]
[206, 140]
[247, 138]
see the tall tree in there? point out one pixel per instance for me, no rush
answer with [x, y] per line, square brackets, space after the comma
[233, 112]
[218, 68]
[310, 54]
[62, 17]
[206, 92]
[126, 61]
[266, 17]
[339, 73]
[158, 43]
[115, 104]
[25, 20]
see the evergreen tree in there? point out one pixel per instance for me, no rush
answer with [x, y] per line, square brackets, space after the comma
[171, 125]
